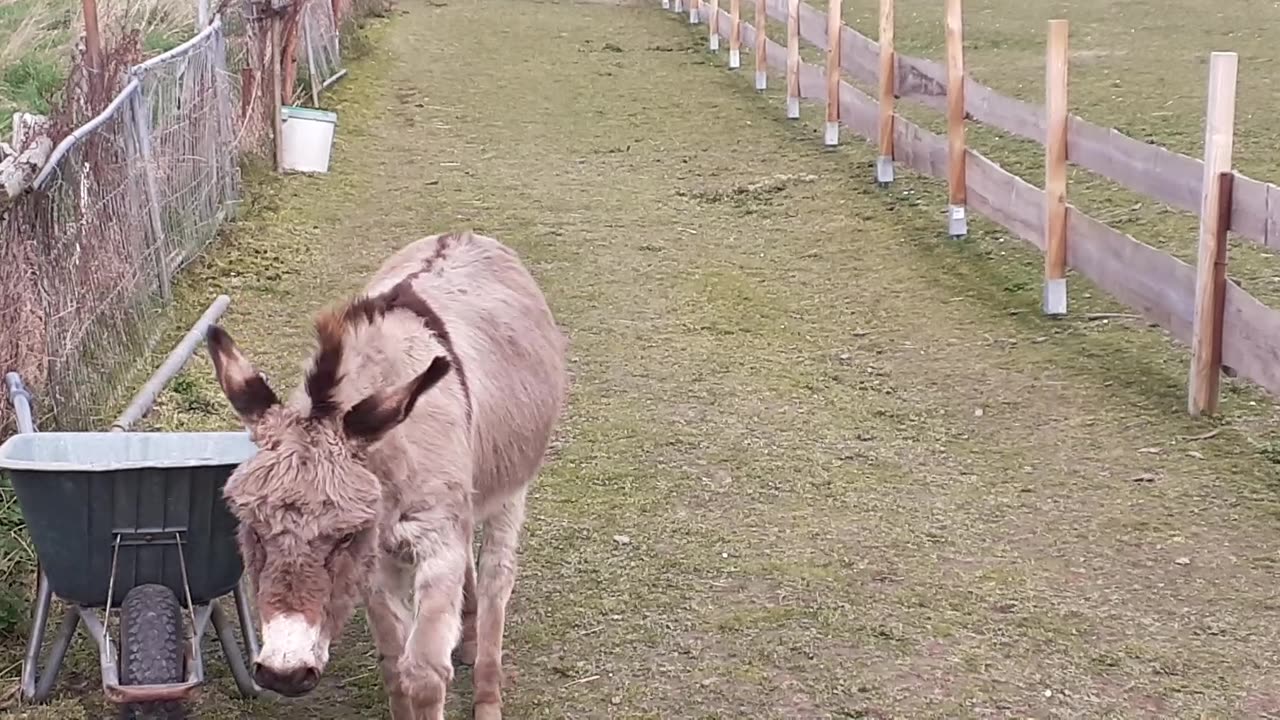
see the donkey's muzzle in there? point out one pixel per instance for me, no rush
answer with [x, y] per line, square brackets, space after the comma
[293, 682]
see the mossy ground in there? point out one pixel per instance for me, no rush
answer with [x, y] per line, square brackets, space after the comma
[819, 460]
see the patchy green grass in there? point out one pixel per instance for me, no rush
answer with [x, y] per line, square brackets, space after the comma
[36, 38]
[819, 461]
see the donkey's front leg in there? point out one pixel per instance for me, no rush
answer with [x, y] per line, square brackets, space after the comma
[390, 611]
[465, 653]
[425, 666]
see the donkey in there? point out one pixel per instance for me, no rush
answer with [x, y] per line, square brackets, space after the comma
[426, 410]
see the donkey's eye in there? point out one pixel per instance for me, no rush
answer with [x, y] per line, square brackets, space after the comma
[345, 541]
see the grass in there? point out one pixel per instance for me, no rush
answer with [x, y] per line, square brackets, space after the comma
[819, 461]
[36, 37]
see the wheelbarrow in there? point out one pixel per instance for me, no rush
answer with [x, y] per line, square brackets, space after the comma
[131, 522]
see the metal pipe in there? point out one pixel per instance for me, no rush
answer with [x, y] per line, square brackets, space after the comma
[39, 620]
[81, 132]
[245, 614]
[311, 60]
[21, 401]
[336, 77]
[178, 51]
[231, 651]
[146, 397]
[71, 618]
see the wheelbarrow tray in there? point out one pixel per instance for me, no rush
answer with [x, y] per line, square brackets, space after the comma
[135, 497]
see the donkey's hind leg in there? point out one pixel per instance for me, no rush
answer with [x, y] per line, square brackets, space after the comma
[496, 578]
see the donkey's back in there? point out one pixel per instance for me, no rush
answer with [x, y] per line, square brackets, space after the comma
[509, 353]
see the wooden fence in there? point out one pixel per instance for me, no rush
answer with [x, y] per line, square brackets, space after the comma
[1225, 326]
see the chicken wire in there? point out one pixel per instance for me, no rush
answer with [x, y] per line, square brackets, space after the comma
[100, 275]
[124, 202]
[319, 53]
[186, 117]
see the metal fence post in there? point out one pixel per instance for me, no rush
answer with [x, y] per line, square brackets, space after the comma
[226, 127]
[142, 130]
[311, 55]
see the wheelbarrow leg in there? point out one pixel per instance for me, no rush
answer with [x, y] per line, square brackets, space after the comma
[231, 651]
[39, 619]
[246, 621]
[57, 653]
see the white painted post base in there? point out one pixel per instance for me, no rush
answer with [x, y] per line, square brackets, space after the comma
[762, 80]
[1055, 297]
[735, 58]
[957, 221]
[884, 170]
[666, 4]
[714, 43]
[693, 14]
[678, 6]
[793, 108]
[832, 136]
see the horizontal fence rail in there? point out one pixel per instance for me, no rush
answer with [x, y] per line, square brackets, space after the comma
[1227, 327]
[1159, 173]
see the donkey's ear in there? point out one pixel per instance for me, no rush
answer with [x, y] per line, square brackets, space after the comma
[241, 383]
[376, 415]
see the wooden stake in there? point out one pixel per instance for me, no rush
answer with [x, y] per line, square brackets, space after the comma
[1215, 218]
[834, 23]
[793, 59]
[735, 34]
[276, 90]
[884, 163]
[957, 223]
[762, 46]
[92, 44]
[713, 25]
[1055, 170]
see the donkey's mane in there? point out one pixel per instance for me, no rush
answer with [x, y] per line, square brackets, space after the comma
[323, 378]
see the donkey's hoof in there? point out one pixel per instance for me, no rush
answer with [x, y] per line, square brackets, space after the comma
[465, 653]
[487, 711]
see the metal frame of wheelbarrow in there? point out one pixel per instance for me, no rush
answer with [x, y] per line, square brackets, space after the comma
[37, 682]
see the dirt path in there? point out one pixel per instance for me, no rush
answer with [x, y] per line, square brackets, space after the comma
[814, 465]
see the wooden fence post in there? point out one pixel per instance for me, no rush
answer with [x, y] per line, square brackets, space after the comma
[1055, 170]
[694, 12]
[834, 23]
[957, 222]
[762, 46]
[735, 34]
[884, 162]
[93, 46]
[793, 59]
[713, 27]
[1215, 218]
[677, 6]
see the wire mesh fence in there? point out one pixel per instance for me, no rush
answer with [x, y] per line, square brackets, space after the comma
[137, 190]
[320, 53]
[123, 203]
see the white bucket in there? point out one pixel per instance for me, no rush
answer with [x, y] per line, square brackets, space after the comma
[306, 138]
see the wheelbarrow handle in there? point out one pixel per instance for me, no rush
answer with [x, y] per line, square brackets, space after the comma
[21, 399]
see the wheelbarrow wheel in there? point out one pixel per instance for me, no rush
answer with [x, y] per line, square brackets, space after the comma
[151, 649]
